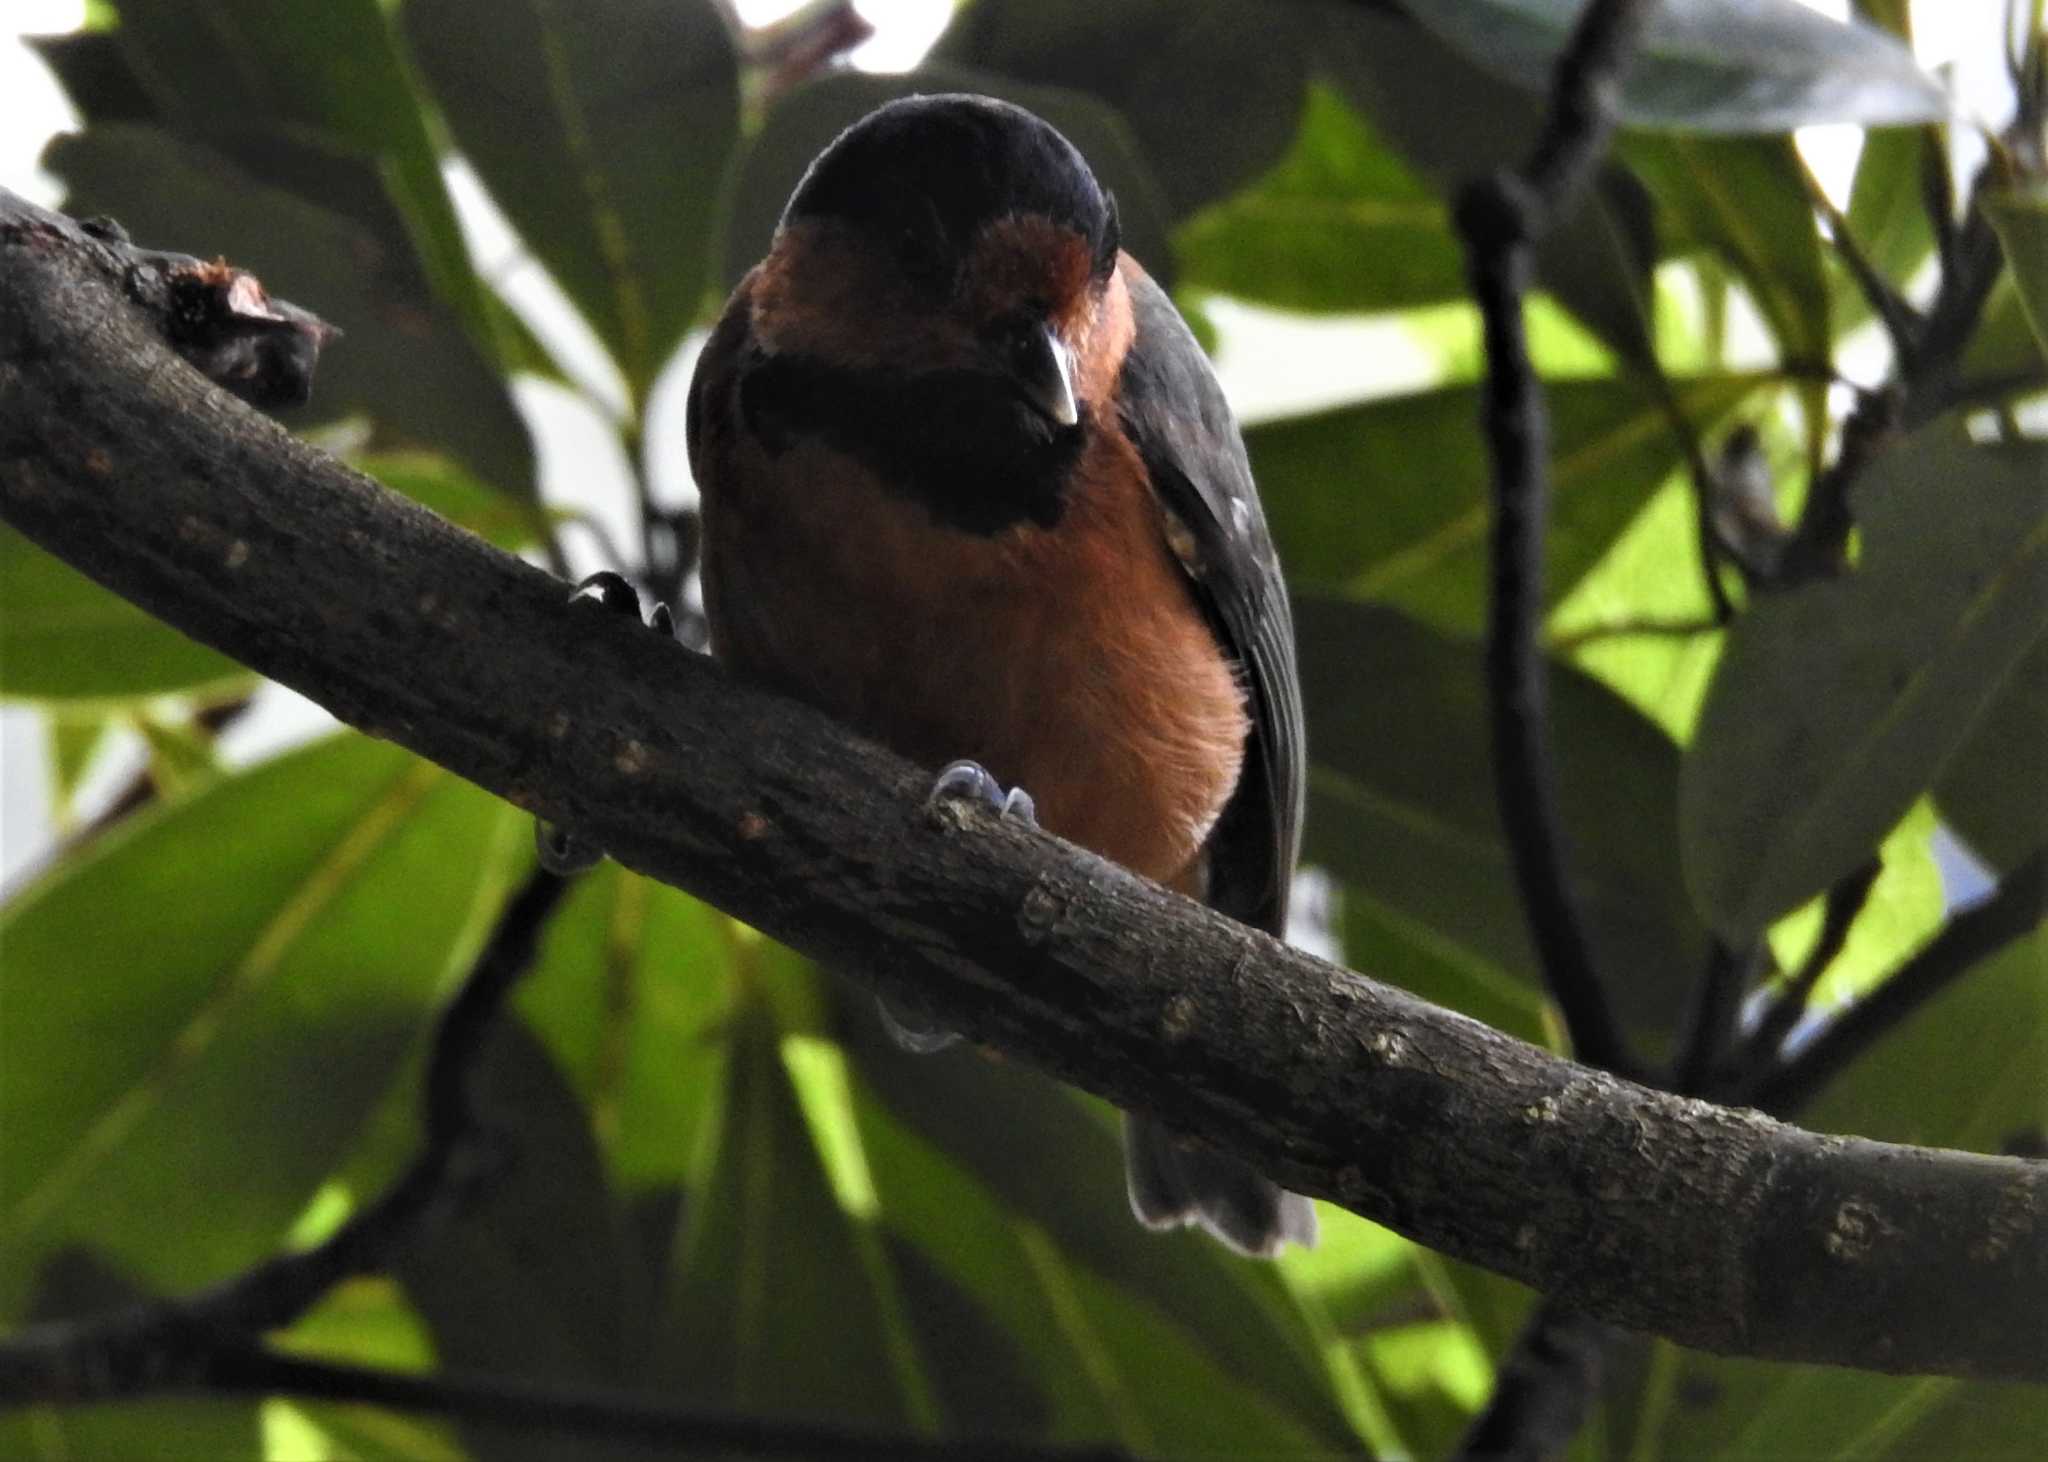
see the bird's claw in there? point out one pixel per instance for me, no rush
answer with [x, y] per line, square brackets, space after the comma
[561, 852]
[608, 589]
[971, 780]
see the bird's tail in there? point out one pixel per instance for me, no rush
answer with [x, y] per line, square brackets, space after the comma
[1172, 1185]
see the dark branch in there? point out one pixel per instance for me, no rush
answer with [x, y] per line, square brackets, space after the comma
[2010, 913]
[1546, 1386]
[1844, 903]
[1501, 218]
[1643, 1209]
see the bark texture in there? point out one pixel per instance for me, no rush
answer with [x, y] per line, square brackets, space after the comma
[1719, 1228]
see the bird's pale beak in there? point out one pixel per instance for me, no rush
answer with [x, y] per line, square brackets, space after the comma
[1044, 370]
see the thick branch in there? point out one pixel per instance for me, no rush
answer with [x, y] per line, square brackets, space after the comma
[1721, 1229]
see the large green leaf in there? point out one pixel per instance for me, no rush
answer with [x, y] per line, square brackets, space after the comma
[1401, 804]
[1354, 507]
[1837, 704]
[533, 1281]
[1746, 199]
[330, 71]
[1338, 224]
[202, 1011]
[1596, 258]
[1712, 65]
[1053, 1165]
[404, 361]
[2021, 217]
[63, 637]
[631, 994]
[1994, 790]
[1212, 88]
[803, 122]
[602, 128]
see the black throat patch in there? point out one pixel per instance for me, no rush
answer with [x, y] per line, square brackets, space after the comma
[961, 443]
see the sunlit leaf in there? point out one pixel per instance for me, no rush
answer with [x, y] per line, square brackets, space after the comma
[63, 637]
[1148, 59]
[1887, 214]
[1401, 804]
[1351, 513]
[802, 123]
[1745, 199]
[1789, 786]
[1713, 65]
[602, 129]
[1338, 224]
[219, 997]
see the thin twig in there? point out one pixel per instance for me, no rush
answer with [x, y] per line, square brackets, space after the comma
[1844, 902]
[1710, 1024]
[1901, 321]
[1500, 218]
[1972, 936]
[1546, 1385]
[1648, 627]
[593, 1412]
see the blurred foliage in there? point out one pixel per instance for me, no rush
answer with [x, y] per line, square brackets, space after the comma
[720, 1183]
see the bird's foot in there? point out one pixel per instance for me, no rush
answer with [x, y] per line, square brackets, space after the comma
[562, 852]
[970, 780]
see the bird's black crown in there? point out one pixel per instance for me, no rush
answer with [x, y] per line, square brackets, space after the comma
[927, 173]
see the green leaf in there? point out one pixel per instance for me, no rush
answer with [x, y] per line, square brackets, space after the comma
[404, 361]
[459, 496]
[1837, 704]
[803, 122]
[602, 128]
[1053, 1165]
[1907, 904]
[1211, 88]
[1713, 65]
[2020, 215]
[766, 1224]
[209, 1005]
[631, 994]
[1745, 198]
[64, 638]
[2004, 352]
[1994, 790]
[1401, 804]
[1596, 258]
[1339, 491]
[331, 71]
[1395, 949]
[1887, 217]
[1338, 224]
[533, 1282]
[73, 741]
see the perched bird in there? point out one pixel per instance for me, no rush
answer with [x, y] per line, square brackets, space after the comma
[970, 487]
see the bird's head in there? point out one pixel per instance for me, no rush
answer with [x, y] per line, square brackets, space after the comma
[952, 233]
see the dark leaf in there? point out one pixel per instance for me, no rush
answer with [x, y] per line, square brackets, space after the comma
[220, 997]
[1713, 65]
[1994, 790]
[531, 1280]
[810, 117]
[1837, 704]
[403, 361]
[1401, 805]
[603, 130]
[1211, 88]
[1354, 510]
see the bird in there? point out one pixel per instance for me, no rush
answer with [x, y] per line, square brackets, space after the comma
[969, 485]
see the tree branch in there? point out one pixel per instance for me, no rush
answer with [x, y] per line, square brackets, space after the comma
[1721, 1229]
[1501, 218]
